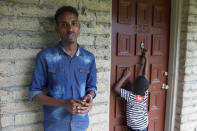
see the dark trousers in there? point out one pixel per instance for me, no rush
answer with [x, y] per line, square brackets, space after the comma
[130, 129]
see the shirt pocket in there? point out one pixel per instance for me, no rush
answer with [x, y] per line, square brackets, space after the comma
[56, 72]
[52, 71]
[83, 74]
[52, 75]
[83, 70]
[55, 86]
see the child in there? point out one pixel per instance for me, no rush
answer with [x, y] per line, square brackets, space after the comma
[136, 97]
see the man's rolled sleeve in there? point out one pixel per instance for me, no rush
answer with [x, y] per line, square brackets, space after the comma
[92, 78]
[34, 93]
[38, 79]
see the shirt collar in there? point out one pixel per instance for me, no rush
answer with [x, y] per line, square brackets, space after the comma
[62, 50]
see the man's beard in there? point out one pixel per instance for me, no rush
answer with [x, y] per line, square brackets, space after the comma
[68, 41]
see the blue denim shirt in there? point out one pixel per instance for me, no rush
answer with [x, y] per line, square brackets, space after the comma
[65, 77]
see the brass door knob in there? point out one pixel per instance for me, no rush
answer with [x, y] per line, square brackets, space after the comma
[164, 86]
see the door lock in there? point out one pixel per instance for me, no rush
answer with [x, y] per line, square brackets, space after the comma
[165, 87]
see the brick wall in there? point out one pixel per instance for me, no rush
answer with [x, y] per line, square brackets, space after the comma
[186, 113]
[26, 27]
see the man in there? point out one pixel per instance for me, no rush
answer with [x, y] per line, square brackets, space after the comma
[69, 73]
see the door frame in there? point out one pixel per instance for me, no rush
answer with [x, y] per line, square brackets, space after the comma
[175, 29]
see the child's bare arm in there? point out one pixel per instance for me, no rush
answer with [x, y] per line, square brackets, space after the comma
[143, 64]
[119, 84]
[145, 72]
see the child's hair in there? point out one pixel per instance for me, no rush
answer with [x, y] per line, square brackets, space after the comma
[140, 84]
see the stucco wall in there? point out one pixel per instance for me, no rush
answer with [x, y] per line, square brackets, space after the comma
[186, 113]
[26, 27]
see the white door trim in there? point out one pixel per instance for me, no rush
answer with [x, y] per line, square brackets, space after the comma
[171, 98]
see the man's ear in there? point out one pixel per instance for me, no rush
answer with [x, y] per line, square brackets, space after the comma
[56, 29]
[79, 29]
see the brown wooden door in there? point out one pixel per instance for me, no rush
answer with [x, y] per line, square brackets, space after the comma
[134, 22]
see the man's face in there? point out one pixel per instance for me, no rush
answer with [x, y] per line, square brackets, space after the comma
[68, 27]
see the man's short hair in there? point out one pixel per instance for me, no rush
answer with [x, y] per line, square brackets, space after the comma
[141, 85]
[63, 9]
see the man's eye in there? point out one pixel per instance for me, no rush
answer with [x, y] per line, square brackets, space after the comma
[74, 24]
[64, 24]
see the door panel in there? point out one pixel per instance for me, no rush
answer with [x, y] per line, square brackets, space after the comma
[135, 22]
[125, 44]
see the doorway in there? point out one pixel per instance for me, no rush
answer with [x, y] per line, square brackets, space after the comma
[135, 22]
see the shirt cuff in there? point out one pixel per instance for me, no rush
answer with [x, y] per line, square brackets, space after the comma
[34, 93]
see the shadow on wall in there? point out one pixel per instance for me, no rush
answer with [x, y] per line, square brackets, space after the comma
[44, 38]
[19, 46]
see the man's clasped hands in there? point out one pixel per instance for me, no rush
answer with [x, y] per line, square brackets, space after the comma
[76, 106]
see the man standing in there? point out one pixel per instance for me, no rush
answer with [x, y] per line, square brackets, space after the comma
[69, 73]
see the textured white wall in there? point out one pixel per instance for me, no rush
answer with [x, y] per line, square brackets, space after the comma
[186, 113]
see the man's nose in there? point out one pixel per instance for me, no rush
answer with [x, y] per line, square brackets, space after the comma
[70, 28]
